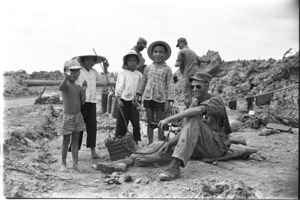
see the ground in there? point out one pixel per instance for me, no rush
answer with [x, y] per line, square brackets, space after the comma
[32, 159]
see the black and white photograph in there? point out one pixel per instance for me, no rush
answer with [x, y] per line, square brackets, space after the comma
[132, 99]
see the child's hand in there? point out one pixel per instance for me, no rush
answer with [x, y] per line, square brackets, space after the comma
[134, 100]
[67, 73]
[84, 85]
[120, 104]
[167, 105]
[137, 97]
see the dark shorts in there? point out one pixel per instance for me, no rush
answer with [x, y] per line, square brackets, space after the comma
[154, 105]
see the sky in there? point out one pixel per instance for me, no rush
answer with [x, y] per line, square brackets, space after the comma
[41, 35]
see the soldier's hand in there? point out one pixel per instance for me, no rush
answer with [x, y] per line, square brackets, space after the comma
[164, 149]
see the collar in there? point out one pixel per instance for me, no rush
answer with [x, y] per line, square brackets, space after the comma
[164, 64]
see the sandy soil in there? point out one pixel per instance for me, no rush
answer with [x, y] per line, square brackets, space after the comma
[31, 169]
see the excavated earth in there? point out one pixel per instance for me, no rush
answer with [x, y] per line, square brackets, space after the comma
[32, 149]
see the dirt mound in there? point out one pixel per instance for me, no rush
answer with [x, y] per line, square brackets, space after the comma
[14, 87]
[27, 132]
[44, 75]
[242, 78]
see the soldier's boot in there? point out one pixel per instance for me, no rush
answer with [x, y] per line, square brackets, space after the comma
[172, 172]
[118, 166]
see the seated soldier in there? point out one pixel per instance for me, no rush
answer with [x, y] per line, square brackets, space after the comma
[205, 133]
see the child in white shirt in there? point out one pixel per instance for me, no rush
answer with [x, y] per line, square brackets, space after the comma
[126, 87]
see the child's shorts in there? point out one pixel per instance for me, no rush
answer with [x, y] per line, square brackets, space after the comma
[70, 123]
[154, 105]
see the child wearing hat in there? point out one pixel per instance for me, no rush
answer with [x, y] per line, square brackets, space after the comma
[157, 87]
[89, 74]
[126, 86]
[71, 120]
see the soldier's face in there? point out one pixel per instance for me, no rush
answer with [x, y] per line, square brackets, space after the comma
[198, 88]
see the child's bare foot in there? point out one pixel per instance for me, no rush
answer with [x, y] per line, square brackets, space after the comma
[63, 168]
[75, 166]
[94, 154]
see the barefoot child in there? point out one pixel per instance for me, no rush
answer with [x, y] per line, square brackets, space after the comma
[126, 86]
[89, 110]
[71, 118]
[157, 86]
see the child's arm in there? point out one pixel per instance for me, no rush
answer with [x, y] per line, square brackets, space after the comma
[142, 86]
[82, 92]
[63, 85]
[170, 86]
[120, 84]
[119, 88]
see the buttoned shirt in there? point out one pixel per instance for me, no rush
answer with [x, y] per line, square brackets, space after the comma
[157, 83]
[187, 58]
[127, 84]
[90, 77]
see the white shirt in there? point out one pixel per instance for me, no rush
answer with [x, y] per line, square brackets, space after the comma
[127, 84]
[90, 77]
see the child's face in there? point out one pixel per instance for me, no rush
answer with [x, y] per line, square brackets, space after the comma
[131, 62]
[88, 63]
[74, 75]
[159, 54]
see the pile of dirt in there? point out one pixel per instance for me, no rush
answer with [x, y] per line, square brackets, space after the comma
[14, 86]
[54, 99]
[44, 75]
[242, 78]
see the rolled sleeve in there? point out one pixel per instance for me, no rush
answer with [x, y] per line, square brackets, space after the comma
[214, 106]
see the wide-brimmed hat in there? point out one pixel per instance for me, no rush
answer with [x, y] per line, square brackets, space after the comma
[150, 49]
[181, 40]
[201, 76]
[131, 52]
[143, 42]
[86, 53]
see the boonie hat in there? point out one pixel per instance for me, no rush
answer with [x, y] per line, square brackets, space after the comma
[150, 49]
[131, 52]
[142, 41]
[181, 40]
[201, 76]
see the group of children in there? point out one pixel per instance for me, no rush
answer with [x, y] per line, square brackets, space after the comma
[155, 86]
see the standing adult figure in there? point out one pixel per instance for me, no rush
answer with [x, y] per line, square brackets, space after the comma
[187, 61]
[88, 110]
[141, 44]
